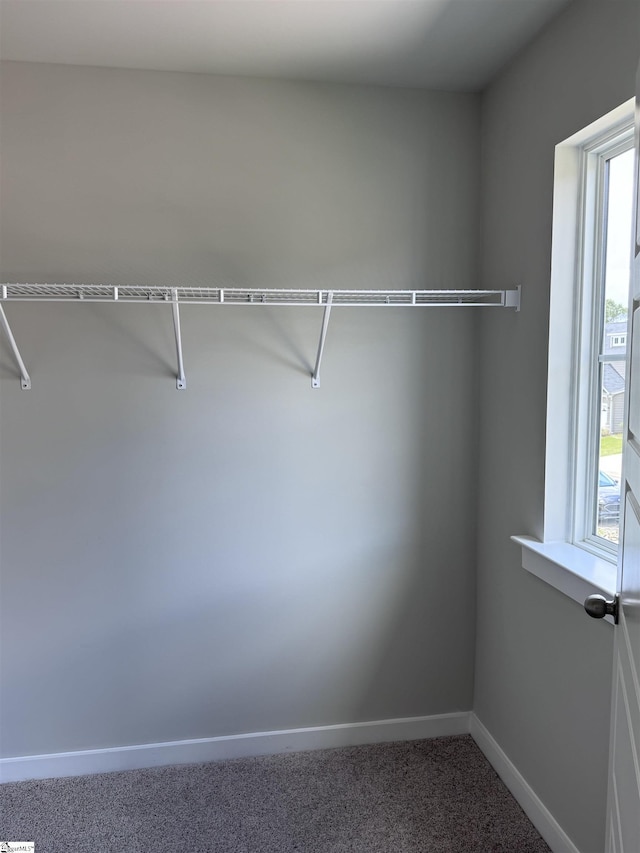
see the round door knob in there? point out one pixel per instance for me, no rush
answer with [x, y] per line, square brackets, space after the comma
[598, 607]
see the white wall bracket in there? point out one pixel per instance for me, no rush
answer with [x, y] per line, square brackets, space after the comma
[25, 379]
[315, 376]
[512, 298]
[181, 381]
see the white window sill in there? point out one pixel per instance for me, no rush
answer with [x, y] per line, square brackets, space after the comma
[569, 569]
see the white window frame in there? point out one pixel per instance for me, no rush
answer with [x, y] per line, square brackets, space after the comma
[618, 340]
[588, 328]
[565, 554]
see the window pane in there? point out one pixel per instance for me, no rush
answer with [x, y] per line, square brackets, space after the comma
[614, 344]
[607, 519]
[618, 245]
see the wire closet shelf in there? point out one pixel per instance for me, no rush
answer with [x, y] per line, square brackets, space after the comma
[184, 294]
[255, 296]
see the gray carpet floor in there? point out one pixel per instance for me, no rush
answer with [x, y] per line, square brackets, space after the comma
[431, 796]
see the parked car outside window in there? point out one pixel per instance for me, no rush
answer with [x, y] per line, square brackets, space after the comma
[608, 498]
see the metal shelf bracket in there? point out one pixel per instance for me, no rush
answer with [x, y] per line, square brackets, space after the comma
[25, 379]
[315, 376]
[181, 381]
[512, 298]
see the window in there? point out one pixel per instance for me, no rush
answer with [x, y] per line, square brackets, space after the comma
[604, 232]
[591, 251]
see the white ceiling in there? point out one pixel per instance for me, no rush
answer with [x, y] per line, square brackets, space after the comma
[438, 44]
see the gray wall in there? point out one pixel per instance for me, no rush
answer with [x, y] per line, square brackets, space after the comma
[248, 554]
[538, 656]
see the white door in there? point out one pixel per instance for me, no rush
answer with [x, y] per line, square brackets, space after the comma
[623, 810]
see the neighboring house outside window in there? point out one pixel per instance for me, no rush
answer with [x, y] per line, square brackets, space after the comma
[613, 380]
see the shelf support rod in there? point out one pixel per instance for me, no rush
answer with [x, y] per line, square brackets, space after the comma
[181, 381]
[25, 379]
[315, 376]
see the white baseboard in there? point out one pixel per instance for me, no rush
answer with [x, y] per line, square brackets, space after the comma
[531, 804]
[232, 746]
